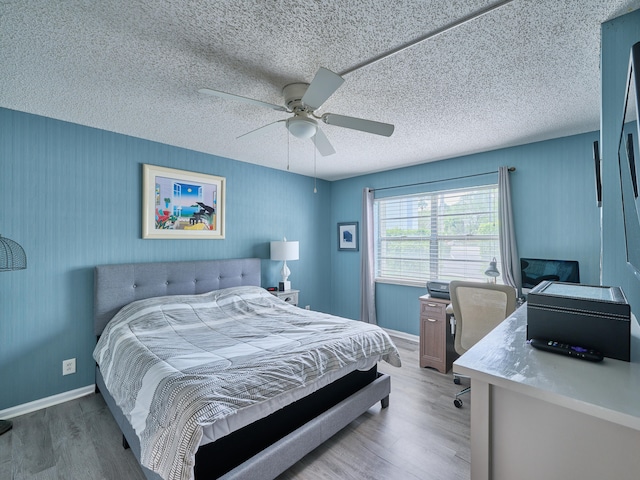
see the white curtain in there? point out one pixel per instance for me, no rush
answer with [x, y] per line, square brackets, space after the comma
[508, 247]
[367, 273]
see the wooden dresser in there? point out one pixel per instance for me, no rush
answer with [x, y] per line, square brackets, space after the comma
[436, 341]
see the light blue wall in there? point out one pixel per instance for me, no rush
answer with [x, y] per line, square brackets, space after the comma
[71, 196]
[617, 37]
[554, 201]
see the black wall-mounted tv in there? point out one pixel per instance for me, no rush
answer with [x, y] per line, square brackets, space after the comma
[536, 270]
[629, 172]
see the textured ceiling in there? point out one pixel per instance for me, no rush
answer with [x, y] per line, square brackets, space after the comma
[524, 72]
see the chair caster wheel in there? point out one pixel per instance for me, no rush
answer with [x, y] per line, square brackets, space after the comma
[456, 381]
[458, 403]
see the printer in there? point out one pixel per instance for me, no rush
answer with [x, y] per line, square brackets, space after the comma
[438, 289]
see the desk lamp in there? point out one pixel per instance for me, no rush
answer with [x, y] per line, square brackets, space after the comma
[12, 257]
[492, 272]
[284, 251]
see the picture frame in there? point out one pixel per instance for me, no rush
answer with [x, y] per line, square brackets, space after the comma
[178, 204]
[348, 239]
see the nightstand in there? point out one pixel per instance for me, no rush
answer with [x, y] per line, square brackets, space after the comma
[289, 296]
[436, 341]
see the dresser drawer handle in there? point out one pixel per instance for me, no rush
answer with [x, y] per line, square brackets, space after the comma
[432, 320]
[432, 304]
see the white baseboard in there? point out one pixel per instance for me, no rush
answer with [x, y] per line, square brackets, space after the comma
[405, 336]
[46, 402]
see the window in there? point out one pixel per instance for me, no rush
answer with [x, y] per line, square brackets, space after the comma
[444, 235]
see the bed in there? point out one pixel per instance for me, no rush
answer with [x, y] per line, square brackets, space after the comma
[263, 429]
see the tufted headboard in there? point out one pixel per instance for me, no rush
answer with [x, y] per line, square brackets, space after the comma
[118, 285]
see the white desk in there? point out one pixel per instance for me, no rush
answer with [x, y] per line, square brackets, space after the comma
[540, 415]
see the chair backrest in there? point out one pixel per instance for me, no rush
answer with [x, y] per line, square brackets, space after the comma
[478, 308]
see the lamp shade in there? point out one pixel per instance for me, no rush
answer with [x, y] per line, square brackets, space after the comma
[492, 271]
[302, 127]
[284, 250]
[12, 256]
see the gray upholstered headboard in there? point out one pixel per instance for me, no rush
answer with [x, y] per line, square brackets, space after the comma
[118, 285]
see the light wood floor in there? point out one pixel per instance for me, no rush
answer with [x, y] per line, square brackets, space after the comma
[420, 436]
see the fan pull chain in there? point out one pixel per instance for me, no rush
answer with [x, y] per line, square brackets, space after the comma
[288, 152]
[315, 155]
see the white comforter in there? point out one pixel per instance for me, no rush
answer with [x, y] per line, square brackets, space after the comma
[222, 359]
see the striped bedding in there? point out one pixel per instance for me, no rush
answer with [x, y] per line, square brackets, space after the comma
[221, 360]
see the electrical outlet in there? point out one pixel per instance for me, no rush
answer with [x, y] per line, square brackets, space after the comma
[69, 366]
[307, 307]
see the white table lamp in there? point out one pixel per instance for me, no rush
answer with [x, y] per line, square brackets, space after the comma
[284, 251]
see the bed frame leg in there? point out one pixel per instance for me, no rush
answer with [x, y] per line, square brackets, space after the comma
[125, 444]
[385, 402]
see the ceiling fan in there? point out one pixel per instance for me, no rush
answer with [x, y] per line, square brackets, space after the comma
[302, 100]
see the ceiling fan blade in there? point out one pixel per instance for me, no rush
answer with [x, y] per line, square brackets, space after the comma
[323, 85]
[322, 143]
[369, 126]
[261, 130]
[238, 98]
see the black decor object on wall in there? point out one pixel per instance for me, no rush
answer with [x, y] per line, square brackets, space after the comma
[596, 160]
[632, 164]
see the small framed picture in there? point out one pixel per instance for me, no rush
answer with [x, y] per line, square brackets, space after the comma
[348, 236]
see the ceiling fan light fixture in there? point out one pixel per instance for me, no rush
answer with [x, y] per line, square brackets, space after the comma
[302, 127]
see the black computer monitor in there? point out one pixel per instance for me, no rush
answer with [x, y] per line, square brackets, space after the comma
[535, 270]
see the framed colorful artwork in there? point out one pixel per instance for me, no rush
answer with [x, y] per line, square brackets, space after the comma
[181, 204]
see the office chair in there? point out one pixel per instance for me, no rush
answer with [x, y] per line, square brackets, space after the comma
[477, 308]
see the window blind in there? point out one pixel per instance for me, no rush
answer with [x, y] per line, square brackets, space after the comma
[444, 235]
